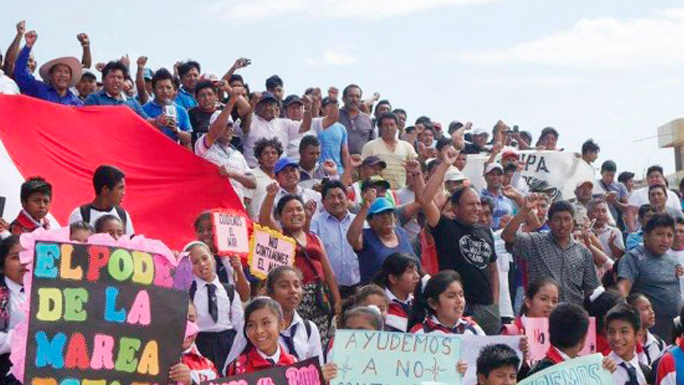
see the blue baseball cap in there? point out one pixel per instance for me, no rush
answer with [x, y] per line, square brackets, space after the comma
[148, 74]
[380, 205]
[284, 162]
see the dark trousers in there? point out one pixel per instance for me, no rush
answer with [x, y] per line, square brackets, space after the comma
[216, 346]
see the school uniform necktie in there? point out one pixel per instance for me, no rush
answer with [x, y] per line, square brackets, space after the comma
[271, 361]
[631, 372]
[213, 302]
[289, 340]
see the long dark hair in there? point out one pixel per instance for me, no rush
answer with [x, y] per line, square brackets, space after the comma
[437, 285]
[396, 264]
[257, 304]
[534, 287]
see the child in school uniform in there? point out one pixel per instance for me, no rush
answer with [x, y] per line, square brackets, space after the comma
[219, 310]
[36, 198]
[263, 324]
[299, 337]
[623, 324]
[650, 347]
[110, 224]
[440, 308]
[201, 368]
[399, 277]
[370, 295]
[12, 295]
[497, 364]
[670, 368]
[568, 326]
[357, 318]
[541, 297]
[598, 304]
[80, 231]
[228, 269]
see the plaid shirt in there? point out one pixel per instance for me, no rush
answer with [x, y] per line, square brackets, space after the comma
[572, 267]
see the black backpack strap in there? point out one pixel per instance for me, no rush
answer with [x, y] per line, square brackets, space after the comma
[122, 215]
[193, 290]
[307, 326]
[230, 290]
[85, 212]
[648, 372]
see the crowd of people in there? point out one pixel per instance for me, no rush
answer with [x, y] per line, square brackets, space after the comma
[390, 233]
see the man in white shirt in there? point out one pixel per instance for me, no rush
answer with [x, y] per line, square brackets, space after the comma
[215, 147]
[265, 124]
[110, 189]
[654, 176]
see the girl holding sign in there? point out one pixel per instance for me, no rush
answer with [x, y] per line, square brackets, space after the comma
[264, 323]
[399, 277]
[541, 297]
[321, 297]
[228, 269]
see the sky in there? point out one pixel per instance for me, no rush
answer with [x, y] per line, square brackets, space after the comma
[611, 70]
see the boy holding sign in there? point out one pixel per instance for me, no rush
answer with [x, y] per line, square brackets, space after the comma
[568, 329]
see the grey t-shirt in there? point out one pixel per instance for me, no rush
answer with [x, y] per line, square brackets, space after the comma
[655, 277]
[359, 130]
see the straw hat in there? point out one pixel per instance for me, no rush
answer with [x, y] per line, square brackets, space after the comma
[69, 61]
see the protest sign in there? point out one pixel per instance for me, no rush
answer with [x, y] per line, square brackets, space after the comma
[307, 372]
[470, 350]
[231, 232]
[583, 370]
[537, 332]
[384, 358]
[100, 313]
[269, 249]
[560, 169]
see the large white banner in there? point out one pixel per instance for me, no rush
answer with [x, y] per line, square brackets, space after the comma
[561, 170]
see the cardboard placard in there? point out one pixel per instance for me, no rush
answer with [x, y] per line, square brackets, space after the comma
[582, 370]
[537, 332]
[374, 357]
[269, 249]
[102, 313]
[307, 372]
[231, 232]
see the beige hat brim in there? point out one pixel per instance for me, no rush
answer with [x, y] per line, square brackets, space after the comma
[69, 61]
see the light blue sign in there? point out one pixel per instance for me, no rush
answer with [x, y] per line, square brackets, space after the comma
[583, 370]
[384, 358]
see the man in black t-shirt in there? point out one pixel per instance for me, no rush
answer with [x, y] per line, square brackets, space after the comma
[464, 245]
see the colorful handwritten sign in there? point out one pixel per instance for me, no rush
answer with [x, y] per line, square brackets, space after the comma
[102, 314]
[307, 372]
[385, 358]
[269, 249]
[231, 232]
[582, 370]
[537, 332]
[470, 350]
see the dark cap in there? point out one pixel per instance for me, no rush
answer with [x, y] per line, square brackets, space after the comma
[292, 99]
[327, 100]
[372, 161]
[267, 97]
[375, 180]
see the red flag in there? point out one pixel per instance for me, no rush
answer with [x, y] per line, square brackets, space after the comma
[167, 186]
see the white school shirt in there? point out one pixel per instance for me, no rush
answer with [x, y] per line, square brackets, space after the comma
[654, 349]
[306, 346]
[477, 329]
[95, 214]
[16, 315]
[230, 314]
[620, 376]
[503, 263]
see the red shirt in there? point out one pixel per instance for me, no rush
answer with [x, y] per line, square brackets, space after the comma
[25, 224]
[251, 361]
[314, 250]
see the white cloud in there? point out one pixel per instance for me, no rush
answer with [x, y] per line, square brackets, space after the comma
[256, 10]
[605, 43]
[339, 56]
